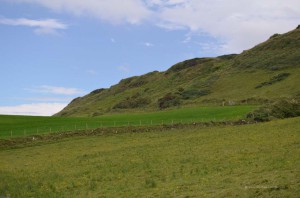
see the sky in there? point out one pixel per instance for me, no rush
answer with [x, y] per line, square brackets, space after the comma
[52, 51]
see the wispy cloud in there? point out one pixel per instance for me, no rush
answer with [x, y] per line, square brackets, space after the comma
[46, 26]
[56, 90]
[47, 99]
[147, 44]
[124, 68]
[235, 25]
[113, 40]
[187, 39]
[231, 22]
[91, 72]
[36, 109]
[115, 11]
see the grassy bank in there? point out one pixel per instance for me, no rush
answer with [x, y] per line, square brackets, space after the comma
[29, 125]
[260, 160]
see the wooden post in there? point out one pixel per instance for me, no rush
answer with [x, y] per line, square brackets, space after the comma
[11, 133]
[50, 130]
[172, 122]
[151, 122]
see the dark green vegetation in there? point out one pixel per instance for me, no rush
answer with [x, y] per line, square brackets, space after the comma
[263, 74]
[278, 110]
[31, 125]
[258, 160]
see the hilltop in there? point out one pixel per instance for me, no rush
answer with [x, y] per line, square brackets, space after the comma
[265, 73]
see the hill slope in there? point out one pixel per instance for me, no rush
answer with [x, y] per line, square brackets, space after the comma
[268, 71]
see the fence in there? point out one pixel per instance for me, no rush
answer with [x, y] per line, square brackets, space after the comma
[29, 131]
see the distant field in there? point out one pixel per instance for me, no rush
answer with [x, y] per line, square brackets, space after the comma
[29, 125]
[258, 160]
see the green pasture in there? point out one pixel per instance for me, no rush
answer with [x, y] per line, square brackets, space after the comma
[258, 160]
[32, 125]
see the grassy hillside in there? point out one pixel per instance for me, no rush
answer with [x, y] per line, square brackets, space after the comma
[269, 71]
[260, 160]
[32, 125]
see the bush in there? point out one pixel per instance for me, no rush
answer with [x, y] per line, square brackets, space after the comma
[169, 100]
[285, 108]
[135, 101]
[273, 80]
[97, 91]
[194, 93]
[274, 36]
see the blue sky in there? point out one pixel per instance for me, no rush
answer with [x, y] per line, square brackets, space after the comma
[52, 51]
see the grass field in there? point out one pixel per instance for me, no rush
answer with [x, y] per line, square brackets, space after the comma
[29, 125]
[259, 160]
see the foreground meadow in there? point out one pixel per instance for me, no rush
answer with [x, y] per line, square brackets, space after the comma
[259, 160]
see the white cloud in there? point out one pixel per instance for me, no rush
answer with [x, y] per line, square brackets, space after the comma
[187, 39]
[47, 26]
[116, 11]
[56, 90]
[147, 44]
[36, 109]
[237, 24]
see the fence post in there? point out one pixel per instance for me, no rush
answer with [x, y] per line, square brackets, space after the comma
[11, 133]
[172, 122]
[140, 123]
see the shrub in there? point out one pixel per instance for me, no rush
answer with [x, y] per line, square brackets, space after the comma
[194, 93]
[285, 108]
[135, 101]
[97, 91]
[274, 36]
[273, 80]
[169, 100]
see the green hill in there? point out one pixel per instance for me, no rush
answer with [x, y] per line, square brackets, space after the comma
[265, 73]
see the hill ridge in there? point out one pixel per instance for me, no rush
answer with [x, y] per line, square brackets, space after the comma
[264, 73]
